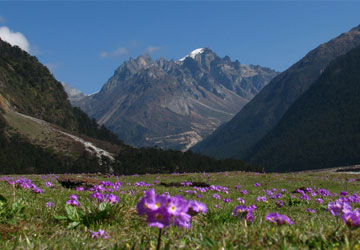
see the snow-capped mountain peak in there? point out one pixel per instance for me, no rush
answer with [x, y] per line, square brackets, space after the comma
[193, 54]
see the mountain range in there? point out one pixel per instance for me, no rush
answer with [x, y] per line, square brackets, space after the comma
[322, 128]
[173, 104]
[40, 132]
[305, 118]
[236, 138]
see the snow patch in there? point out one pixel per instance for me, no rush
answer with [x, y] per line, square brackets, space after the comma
[90, 147]
[193, 54]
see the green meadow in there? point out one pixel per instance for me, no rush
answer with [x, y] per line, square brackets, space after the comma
[26, 222]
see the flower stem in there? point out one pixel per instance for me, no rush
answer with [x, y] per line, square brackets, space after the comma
[13, 189]
[159, 239]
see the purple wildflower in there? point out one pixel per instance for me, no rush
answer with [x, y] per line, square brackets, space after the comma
[269, 192]
[244, 212]
[241, 200]
[112, 198]
[227, 200]
[148, 200]
[313, 194]
[216, 196]
[261, 199]
[252, 207]
[164, 210]
[257, 184]
[99, 234]
[99, 196]
[175, 205]
[80, 189]
[50, 204]
[37, 190]
[338, 207]
[278, 219]
[279, 203]
[196, 207]
[304, 197]
[159, 217]
[343, 193]
[310, 210]
[73, 197]
[73, 203]
[352, 219]
[48, 184]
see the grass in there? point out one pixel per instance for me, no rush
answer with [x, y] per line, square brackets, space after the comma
[42, 134]
[37, 228]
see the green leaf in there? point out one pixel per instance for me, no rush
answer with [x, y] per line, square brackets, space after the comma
[206, 242]
[73, 224]
[3, 199]
[18, 206]
[103, 206]
[59, 217]
[71, 212]
[167, 246]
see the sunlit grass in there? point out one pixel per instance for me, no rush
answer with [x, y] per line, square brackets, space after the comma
[37, 227]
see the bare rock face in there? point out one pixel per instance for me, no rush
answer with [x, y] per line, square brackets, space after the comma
[174, 104]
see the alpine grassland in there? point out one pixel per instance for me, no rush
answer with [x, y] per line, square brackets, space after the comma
[225, 210]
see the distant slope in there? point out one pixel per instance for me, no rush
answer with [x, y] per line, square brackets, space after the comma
[73, 94]
[174, 104]
[262, 113]
[322, 128]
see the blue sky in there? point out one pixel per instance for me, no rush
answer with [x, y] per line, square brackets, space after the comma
[82, 43]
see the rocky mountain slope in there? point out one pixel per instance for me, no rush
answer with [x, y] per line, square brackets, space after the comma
[322, 128]
[262, 113]
[174, 104]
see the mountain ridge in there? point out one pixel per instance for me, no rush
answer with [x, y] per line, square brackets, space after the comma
[149, 103]
[34, 139]
[235, 138]
[321, 128]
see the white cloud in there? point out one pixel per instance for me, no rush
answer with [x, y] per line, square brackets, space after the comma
[132, 48]
[14, 38]
[34, 50]
[119, 52]
[152, 49]
[52, 66]
[104, 54]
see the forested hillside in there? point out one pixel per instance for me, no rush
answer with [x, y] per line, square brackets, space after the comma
[322, 128]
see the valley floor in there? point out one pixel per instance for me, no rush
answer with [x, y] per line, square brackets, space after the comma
[37, 212]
